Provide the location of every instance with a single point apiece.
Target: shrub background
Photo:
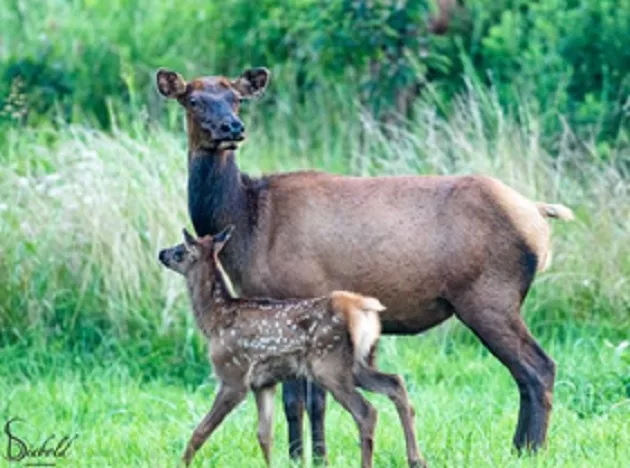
(568, 57)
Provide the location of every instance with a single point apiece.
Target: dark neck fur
(218, 195)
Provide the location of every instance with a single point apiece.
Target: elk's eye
(193, 102)
(178, 256)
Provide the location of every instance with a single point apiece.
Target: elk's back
(405, 240)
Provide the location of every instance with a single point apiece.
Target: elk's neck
(216, 196)
(210, 296)
(219, 195)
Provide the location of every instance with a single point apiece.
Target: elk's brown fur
(428, 247)
(256, 343)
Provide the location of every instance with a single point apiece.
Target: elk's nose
(238, 128)
(233, 128)
(162, 256)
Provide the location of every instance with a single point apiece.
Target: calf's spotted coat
(256, 343)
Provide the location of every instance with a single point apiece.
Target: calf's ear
(189, 239)
(190, 243)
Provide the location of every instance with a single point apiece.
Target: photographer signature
(43, 454)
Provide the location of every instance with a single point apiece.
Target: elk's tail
(361, 315)
(550, 210)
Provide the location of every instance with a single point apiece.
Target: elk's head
(212, 105)
(188, 256)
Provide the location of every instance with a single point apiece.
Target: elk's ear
(170, 84)
(252, 83)
(220, 239)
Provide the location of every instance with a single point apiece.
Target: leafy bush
(569, 56)
(572, 55)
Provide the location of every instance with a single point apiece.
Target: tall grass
(84, 212)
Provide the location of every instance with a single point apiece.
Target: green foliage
(35, 88)
(378, 42)
(570, 56)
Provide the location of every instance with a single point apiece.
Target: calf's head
(212, 104)
(193, 253)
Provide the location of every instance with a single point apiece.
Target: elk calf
(256, 343)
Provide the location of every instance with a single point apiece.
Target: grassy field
(466, 406)
(97, 339)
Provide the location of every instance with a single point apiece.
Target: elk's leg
(393, 386)
(264, 403)
(316, 408)
(503, 331)
(226, 400)
(293, 398)
(342, 389)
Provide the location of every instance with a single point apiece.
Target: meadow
(98, 339)
(466, 406)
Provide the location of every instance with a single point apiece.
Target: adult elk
(427, 247)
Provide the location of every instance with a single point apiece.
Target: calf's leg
(341, 385)
(393, 386)
(264, 404)
(226, 400)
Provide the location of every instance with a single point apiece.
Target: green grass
(466, 406)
